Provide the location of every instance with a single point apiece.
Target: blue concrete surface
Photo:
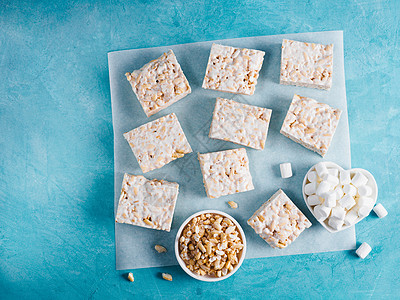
(56, 145)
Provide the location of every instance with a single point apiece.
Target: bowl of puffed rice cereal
(210, 245)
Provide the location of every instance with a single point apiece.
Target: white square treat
(278, 221)
(159, 83)
(233, 70)
(311, 123)
(157, 143)
(306, 64)
(147, 203)
(225, 172)
(240, 123)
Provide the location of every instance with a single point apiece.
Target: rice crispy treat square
(240, 123)
(233, 70)
(311, 124)
(159, 83)
(147, 203)
(278, 221)
(157, 143)
(306, 64)
(225, 172)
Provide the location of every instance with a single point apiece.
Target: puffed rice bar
(306, 64)
(240, 123)
(233, 70)
(225, 172)
(159, 83)
(157, 143)
(278, 221)
(311, 124)
(147, 203)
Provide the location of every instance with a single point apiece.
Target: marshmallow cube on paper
(380, 211)
(233, 70)
(363, 250)
(286, 170)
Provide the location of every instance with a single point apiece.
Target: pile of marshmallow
(338, 197)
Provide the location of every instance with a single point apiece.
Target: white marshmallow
(339, 193)
(286, 170)
(351, 217)
(334, 172)
(335, 223)
(349, 189)
(364, 190)
(314, 200)
(363, 250)
(310, 188)
(312, 176)
(334, 181)
(321, 169)
(344, 177)
(323, 187)
(347, 202)
(338, 213)
(380, 211)
(359, 179)
(329, 199)
(321, 212)
(365, 206)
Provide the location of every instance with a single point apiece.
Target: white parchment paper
(135, 245)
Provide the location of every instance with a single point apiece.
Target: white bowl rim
(209, 278)
(330, 164)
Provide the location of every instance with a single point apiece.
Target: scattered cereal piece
(130, 277)
(160, 249)
(167, 276)
(233, 204)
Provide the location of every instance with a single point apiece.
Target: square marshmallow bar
(233, 70)
(306, 64)
(225, 172)
(159, 83)
(157, 143)
(147, 203)
(278, 221)
(311, 124)
(240, 123)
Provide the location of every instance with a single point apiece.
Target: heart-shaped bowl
(331, 165)
(208, 278)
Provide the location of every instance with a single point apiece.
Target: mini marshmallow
(365, 206)
(349, 189)
(286, 170)
(333, 180)
(338, 213)
(333, 172)
(321, 212)
(344, 177)
(321, 169)
(314, 200)
(363, 250)
(339, 193)
(359, 179)
(347, 202)
(365, 190)
(312, 176)
(330, 199)
(322, 188)
(310, 188)
(351, 217)
(380, 211)
(335, 223)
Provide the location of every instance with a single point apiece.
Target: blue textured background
(56, 144)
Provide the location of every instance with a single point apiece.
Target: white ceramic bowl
(330, 165)
(208, 278)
